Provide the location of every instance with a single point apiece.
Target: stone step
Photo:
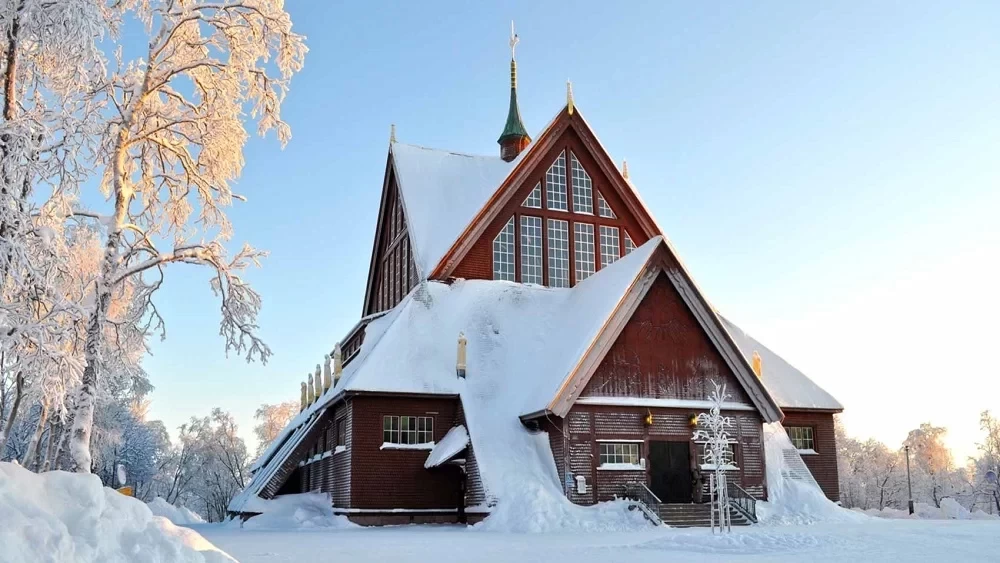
(694, 515)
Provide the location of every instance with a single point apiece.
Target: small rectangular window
(558, 253)
(341, 432)
(610, 245)
(801, 437)
(503, 253)
(619, 453)
(407, 429)
(730, 455)
(555, 184)
(531, 249)
(583, 249)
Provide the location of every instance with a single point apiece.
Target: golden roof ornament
(392, 133)
(569, 97)
(625, 169)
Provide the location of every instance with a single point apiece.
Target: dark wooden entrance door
(670, 471)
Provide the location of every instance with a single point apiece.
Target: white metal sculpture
(713, 431)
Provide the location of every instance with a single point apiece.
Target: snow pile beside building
(58, 516)
(179, 515)
(307, 510)
(950, 510)
(794, 497)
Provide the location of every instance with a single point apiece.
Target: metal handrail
(645, 499)
(742, 501)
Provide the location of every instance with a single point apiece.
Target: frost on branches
(171, 149)
(712, 431)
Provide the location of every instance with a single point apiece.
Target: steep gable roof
(791, 388)
(519, 174)
(441, 192)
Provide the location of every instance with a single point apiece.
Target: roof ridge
(449, 151)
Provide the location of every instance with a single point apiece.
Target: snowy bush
(58, 516)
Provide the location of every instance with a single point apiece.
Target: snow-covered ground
(868, 540)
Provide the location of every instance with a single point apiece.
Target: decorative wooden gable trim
(663, 261)
(522, 180)
(391, 271)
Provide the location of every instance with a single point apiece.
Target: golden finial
(625, 169)
(392, 133)
(569, 97)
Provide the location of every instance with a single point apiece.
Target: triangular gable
(537, 155)
(663, 261)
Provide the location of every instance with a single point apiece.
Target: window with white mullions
(503, 253)
(603, 209)
(531, 249)
(555, 184)
(801, 437)
(614, 453)
(558, 232)
(610, 245)
(583, 249)
(583, 200)
(629, 245)
(407, 429)
(534, 199)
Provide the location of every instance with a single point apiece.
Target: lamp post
(909, 486)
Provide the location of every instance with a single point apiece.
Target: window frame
(563, 261)
(802, 435)
(584, 251)
(581, 187)
(622, 453)
(556, 172)
(533, 263)
(606, 232)
(407, 430)
(340, 432)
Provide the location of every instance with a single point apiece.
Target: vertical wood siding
(663, 352)
(394, 269)
(823, 465)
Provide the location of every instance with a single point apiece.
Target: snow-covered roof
(789, 386)
(453, 442)
(441, 192)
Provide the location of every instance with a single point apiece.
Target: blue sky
(828, 173)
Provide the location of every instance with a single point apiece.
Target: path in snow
(875, 540)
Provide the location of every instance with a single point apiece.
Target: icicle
(327, 379)
(338, 363)
(569, 97)
(460, 363)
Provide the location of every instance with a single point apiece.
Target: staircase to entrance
(742, 508)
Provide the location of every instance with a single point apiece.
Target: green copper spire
(514, 137)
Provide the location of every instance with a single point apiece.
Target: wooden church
(528, 329)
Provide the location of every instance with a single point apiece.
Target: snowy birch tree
(173, 147)
(271, 420)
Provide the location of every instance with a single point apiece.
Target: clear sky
(829, 173)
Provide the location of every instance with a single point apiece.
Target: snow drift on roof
(453, 442)
(442, 191)
(789, 386)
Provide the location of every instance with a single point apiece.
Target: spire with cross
(514, 137)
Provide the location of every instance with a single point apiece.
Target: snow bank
(307, 510)
(950, 510)
(59, 516)
(792, 500)
(179, 515)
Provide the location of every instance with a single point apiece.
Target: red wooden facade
(823, 463)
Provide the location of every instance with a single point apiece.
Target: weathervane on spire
(513, 40)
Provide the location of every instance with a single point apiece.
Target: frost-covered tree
(271, 420)
(173, 146)
(931, 463)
